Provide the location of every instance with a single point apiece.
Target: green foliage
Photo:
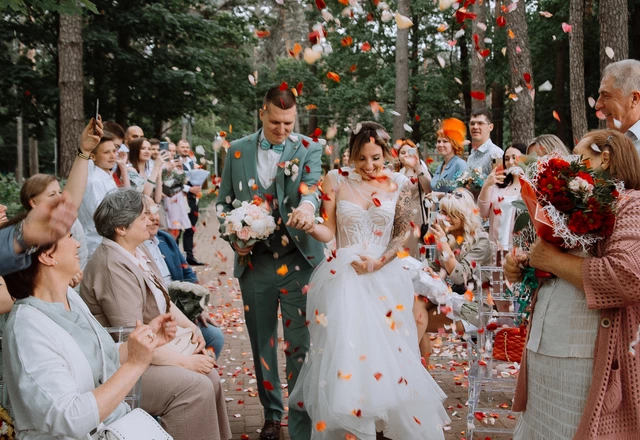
(10, 194)
(59, 6)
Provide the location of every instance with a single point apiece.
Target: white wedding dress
(363, 371)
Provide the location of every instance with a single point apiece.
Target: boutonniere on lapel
(291, 168)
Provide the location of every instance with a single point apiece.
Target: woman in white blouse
(147, 182)
(51, 351)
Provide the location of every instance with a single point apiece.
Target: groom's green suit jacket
(238, 171)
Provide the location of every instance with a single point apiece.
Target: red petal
(527, 77)
(267, 385)
(284, 86)
(501, 21)
(305, 143)
(376, 202)
(480, 96)
(321, 4)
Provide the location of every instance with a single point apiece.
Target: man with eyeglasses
(483, 150)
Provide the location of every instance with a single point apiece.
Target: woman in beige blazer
(122, 284)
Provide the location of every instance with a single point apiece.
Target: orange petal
(333, 76)
(321, 426)
(237, 154)
(282, 270)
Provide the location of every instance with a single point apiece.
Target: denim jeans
(213, 337)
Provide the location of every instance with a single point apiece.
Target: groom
(281, 267)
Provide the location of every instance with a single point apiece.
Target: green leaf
(522, 221)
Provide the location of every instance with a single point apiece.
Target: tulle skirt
(363, 372)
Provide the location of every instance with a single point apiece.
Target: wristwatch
(19, 237)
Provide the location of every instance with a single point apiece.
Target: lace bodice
(364, 214)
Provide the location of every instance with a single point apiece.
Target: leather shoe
(194, 262)
(270, 430)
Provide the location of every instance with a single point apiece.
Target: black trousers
(187, 240)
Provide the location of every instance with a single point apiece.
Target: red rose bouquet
(569, 203)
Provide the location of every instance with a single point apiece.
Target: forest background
(198, 69)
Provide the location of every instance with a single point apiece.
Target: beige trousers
(191, 405)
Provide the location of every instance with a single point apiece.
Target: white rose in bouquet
(247, 224)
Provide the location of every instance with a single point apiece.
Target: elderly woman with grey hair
(122, 284)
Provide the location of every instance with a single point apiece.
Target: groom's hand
(303, 217)
(242, 251)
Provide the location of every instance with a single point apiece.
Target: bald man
(133, 132)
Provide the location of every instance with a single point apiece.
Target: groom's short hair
(284, 99)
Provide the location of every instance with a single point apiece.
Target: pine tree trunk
(70, 85)
(19, 150)
(614, 33)
(34, 166)
(464, 74)
(497, 110)
(402, 74)
(478, 80)
(576, 69)
(522, 118)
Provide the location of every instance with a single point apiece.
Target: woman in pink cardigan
(579, 379)
(499, 191)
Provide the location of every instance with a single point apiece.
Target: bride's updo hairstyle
(460, 205)
(366, 132)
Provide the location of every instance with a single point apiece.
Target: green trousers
(263, 289)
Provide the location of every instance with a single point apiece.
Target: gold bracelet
(81, 155)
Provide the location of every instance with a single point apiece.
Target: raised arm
(77, 181)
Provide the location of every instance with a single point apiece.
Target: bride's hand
(366, 265)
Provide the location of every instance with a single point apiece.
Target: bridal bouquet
(569, 204)
(470, 179)
(172, 181)
(247, 224)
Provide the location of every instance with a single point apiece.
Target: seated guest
(122, 285)
(41, 187)
(502, 188)
(99, 183)
(59, 383)
(462, 244)
(173, 267)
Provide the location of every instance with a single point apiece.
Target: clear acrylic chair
(120, 335)
(488, 376)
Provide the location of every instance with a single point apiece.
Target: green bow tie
(266, 145)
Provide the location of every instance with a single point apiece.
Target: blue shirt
(443, 179)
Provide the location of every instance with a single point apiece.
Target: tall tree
(402, 73)
(576, 72)
(522, 117)
(70, 76)
(478, 77)
(614, 35)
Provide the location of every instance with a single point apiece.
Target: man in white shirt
(483, 150)
(99, 183)
(155, 151)
(619, 98)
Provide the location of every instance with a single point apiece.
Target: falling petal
(566, 28)
(408, 128)
(403, 22)
(595, 148)
(311, 56)
(440, 61)
(386, 16)
(617, 123)
(478, 95)
(610, 53)
(592, 102)
(282, 270)
(545, 87)
(556, 116)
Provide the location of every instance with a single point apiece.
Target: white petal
(617, 123)
(408, 128)
(545, 87)
(592, 102)
(610, 53)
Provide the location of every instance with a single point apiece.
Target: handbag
(182, 342)
(509, 343)
(136, 425)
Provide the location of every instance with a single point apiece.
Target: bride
(363, 373)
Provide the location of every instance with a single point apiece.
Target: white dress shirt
(267, 164)
(99, 184)
(154, 250)
(634, 134)
(481, 157)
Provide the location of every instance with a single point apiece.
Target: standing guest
(449, 144)
(344, 160)
(176, 207)
(132, 133)
(502, 188)
(41, 187)
(145, 181)
(619, 98)
(416, 170)
(192, 192)
(483, 150)
(154, 147)
(116, 131)
(546, 144)
(122, 152)
(262, 289)
(123, 285)
(577, 377)
(99, 184)
(173, 267)
(64, 373)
